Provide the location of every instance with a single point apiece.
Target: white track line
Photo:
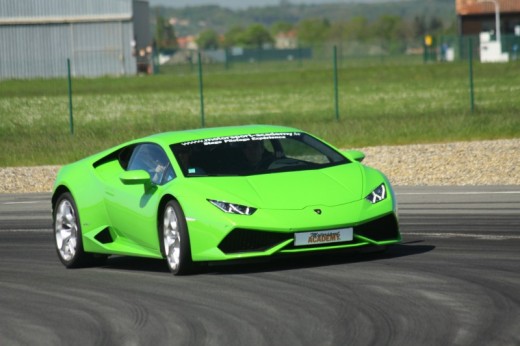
(27, 202)
(463, 235)
(461, 193)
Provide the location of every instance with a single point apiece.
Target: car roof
(167, 138)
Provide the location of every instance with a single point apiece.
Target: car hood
(288, 190)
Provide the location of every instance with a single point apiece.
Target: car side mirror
(135, 177)
(354, 155)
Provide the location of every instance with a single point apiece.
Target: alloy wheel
(172, 238)
(66, 230)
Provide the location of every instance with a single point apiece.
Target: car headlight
(377, 195)
(232, 208)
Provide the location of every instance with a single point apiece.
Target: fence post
(201, 91)
(470, 60)
(71, 118)
(336, 102)
(226, 59)
(155, 60)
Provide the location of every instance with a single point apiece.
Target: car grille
(247, 240)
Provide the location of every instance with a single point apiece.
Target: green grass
(379, 104)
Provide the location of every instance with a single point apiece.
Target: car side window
(153, 159)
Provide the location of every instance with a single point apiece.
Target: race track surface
(454, 280)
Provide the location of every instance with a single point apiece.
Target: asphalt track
(454, 280)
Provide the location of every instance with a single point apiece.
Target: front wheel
(176, 241)
(67, 234)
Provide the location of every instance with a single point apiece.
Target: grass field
(378, 104)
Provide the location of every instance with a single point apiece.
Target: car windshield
(251, 154)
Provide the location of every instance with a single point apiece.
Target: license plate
(323, 237)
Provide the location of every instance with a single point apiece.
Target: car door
(132, 207)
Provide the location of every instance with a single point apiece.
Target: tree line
(313, 31)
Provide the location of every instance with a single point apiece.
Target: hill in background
(194, 19)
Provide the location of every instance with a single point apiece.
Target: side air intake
(104, 237)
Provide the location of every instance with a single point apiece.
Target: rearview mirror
(354, 155)
(135, 177)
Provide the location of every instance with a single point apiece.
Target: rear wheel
(67, 234)
(176, 241)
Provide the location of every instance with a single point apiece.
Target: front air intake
(246, 240)
(384, 228)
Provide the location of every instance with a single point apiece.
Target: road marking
(27, 202)
(422, 234)
(461, 193)
(28, 230)
(463, 235)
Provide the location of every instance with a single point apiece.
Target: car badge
(317, 211)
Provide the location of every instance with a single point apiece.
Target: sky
(240, 4)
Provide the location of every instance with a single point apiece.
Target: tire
(175, 244)
(68, 236)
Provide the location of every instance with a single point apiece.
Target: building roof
(475, 7)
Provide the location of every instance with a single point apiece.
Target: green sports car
(220, 194)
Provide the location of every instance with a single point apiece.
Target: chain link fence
(443, 49)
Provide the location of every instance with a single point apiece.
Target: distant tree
(234, 37)
(419, 26)
(165, 34)
(313, 31)
(337, 32)
(208, 39)
(451, 28)
(389, 28)
(257, 36)
(280, 26)
(159, 30)
(392, 32)
(435, 25)
(357, 29)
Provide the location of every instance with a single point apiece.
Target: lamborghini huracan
(220, 194)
